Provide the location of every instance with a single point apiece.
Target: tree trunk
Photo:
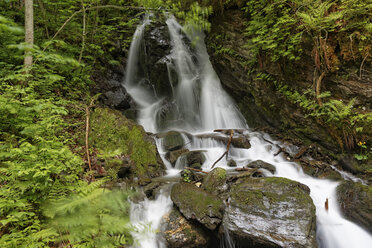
(29, 31)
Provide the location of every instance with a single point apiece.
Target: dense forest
(72, 156)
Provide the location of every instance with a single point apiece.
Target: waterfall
(199, 105)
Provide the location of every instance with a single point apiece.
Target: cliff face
(260, 100)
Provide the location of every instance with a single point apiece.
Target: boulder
(172, 156)
(194, 159)
(241, 142)
(197, 204)
(261, 164)
(124, 146)
(182, 233)
(355, 200)
(172, 141)
(215, 181)
(270, 212)
(151, 189)
(231, 163)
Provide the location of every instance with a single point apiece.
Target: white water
(201, 105)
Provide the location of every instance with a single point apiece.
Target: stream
(198, 106)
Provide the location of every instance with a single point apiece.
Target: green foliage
(280, 29)
(186, 175)
(92, 217)
(272, 28)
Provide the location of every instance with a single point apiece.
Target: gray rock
(181, 233)
(173, 141)
(261, 164)
(195, 203)
(172, 156)
(271, 212)
(355, 201)
(231, 163)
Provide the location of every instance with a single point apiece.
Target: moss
(254, 191)
(116, 138)
(198, 204)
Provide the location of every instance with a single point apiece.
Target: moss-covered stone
(355, 200)
(121, 141)
(271, 212)
(195, 203)
(181, 233)
(215, 181)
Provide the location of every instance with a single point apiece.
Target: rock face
(196, 204)
(262, 164)
(259, 100)
(355, 200)
(181, 233)
(270, 212)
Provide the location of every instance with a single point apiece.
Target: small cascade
(199, 105)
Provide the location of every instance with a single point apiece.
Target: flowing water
(199, 105)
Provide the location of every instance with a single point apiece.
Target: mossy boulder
(215, 181)
(123, 146)
(172, 141)
(182, 233)
(271, 212)
(197, 204)
(355, 200)
(261, 164)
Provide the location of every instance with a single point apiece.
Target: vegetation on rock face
(43, 106)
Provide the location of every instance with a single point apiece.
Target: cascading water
(200, 105)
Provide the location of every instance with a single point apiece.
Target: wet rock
(271, 212)
(198, 204)
(182, 233)
(172, 156)
(231, 163)
(261, 164)
(155, 63)
(240, 141)
(151, 189)
(215, 181)
(172, 141)
(355, 200)
(194, 159)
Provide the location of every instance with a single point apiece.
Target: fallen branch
(192, 169)
(227, 148)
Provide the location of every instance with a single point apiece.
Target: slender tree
(29, 30)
